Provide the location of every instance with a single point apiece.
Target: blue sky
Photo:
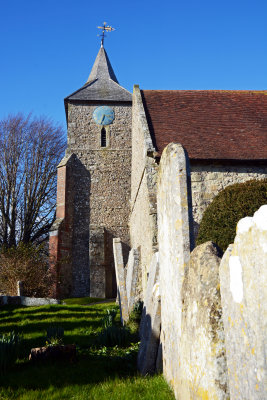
(48, 47)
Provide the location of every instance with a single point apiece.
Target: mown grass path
(98, 373)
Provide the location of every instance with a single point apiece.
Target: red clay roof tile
(210, 124)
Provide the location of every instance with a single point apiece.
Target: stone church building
(107, 179)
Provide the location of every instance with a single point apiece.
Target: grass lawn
(99, 372)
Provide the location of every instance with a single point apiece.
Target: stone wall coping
(27, 301)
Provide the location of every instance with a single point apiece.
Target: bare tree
(30, 150)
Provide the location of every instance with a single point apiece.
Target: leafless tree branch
(30, 150)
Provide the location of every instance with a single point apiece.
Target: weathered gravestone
(243, 274)
(120, 278)
(132, 278)
(202, 359)
(175, 238)
(19, 288)
(148, 356)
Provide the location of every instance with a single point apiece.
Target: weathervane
(105, 28)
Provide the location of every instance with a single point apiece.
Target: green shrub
(109, 318)
(9, 348)
(228, 207)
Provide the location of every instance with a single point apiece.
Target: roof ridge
(207, 90)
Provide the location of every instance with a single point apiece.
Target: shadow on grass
(6, 310)
(81, 324)
(87, 369)
(57, 315)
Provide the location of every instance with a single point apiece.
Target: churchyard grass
(99, 372)
(84, 301)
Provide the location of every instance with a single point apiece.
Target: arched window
(103, 137)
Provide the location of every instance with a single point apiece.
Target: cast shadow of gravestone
(150, 352)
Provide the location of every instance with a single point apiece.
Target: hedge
(228, 207)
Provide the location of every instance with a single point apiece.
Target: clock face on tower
(103, 115)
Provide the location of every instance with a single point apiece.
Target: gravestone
(243, 274)
(132, 278)
(120, 278)
(19, 288)
(175, 238)
(202, 358)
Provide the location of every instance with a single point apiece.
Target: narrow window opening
(103, 137)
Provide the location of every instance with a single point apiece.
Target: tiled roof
(210, 124)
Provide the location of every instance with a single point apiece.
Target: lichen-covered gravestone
(202, 357)
(243, 274)
(175, 241)
(132, 278)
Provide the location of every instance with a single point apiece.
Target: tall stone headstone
(132, 278)
(19, 288)
(175, 242)
(243, 274)
(202, 359)
(120, 277)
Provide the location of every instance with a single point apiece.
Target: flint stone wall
(243, 274)
(174, 224)
(143, 216)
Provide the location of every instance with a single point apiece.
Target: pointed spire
(102, 84)
(102, 68)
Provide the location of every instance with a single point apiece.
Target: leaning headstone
(120, 278)
(202, 359)
(243, 274)
(175, 238)
(132, 278)
(149, 346)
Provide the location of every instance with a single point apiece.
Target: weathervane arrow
(104, 28)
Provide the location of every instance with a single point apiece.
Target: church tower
(93, 186)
